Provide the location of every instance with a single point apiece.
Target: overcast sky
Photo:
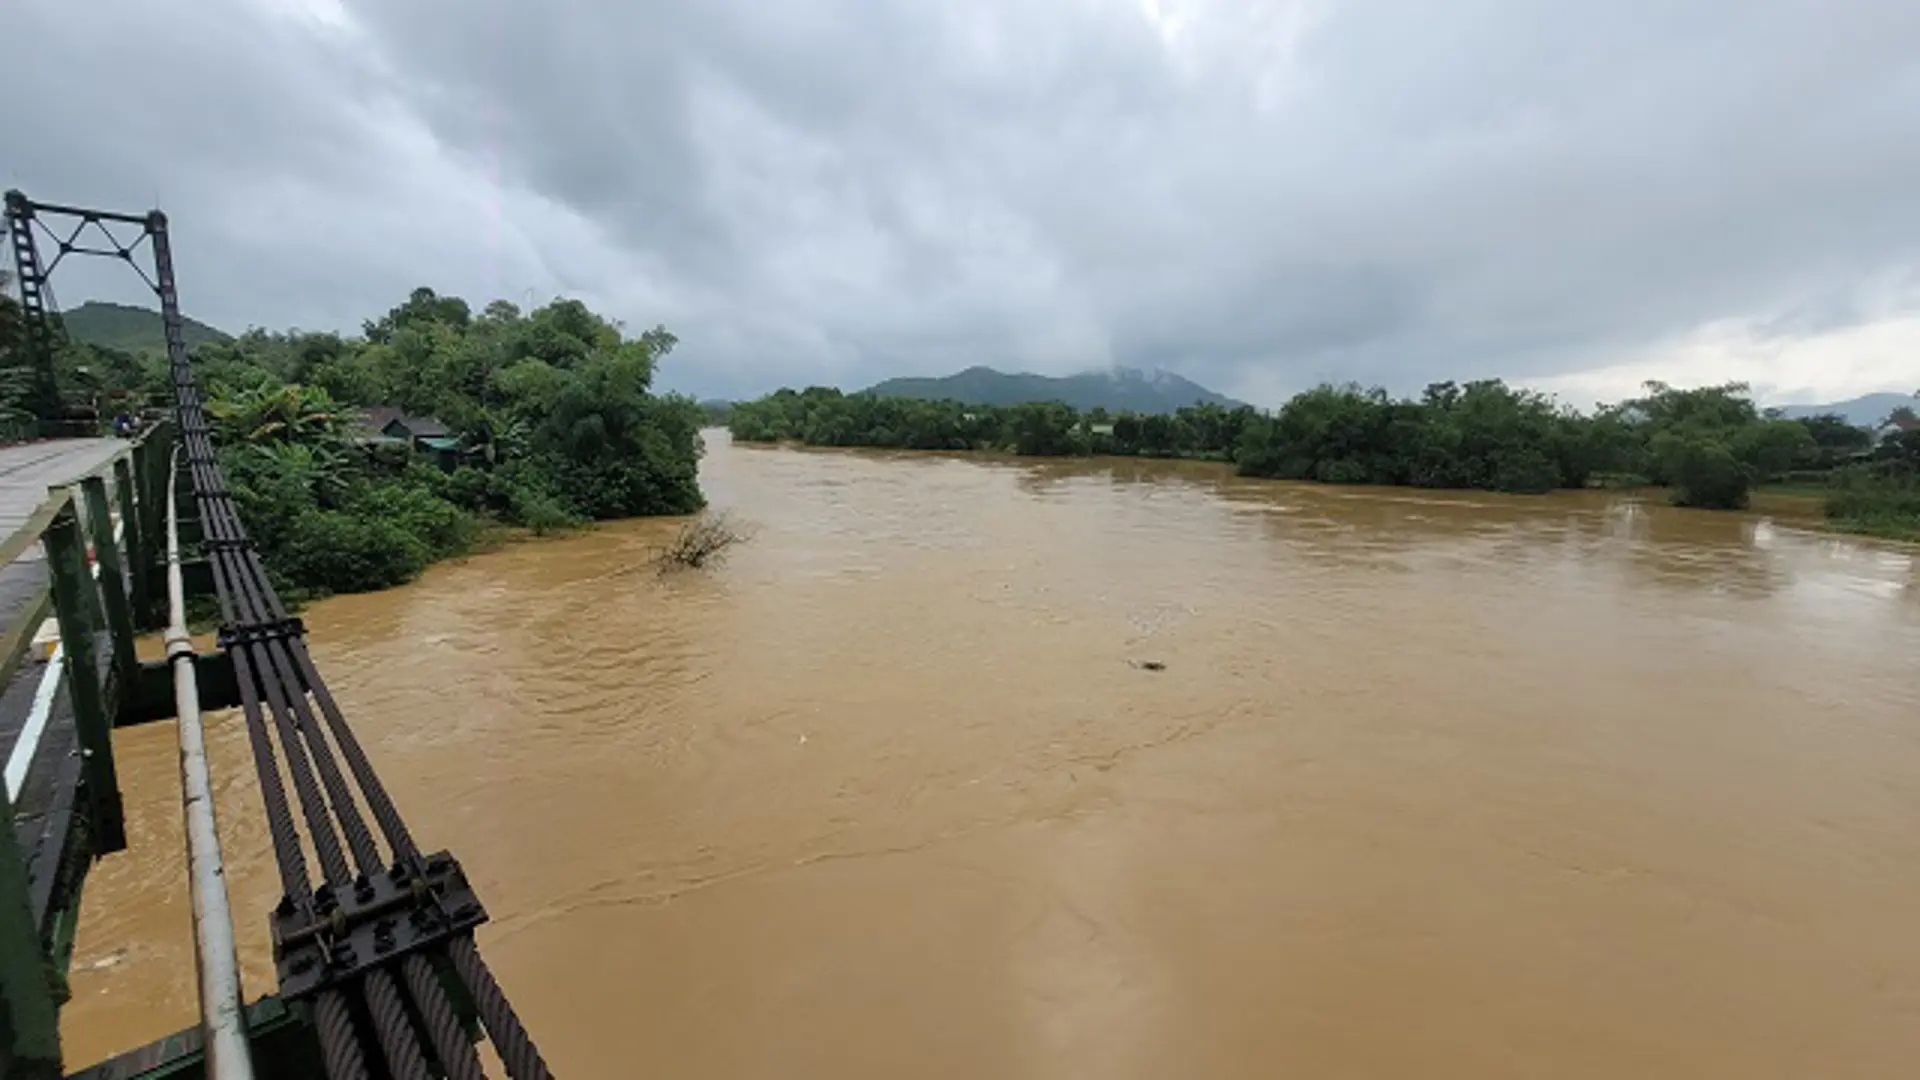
(1571, 194)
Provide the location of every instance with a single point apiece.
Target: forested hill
(1153, 393)
(131, 329)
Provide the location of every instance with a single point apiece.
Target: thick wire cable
(276, 678)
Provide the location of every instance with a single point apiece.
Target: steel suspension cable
(276, 677)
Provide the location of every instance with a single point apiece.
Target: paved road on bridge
(37, 736)
(27, 470)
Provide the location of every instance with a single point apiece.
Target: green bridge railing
(104, 541)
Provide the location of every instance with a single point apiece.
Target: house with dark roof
(385, 424)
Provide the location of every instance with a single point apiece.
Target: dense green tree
(1721, 407)
(1771, 447)
(611, 449)
(1899, 453)
(1044, 429)
(1480, 435)
(1697, 439)
(1702, 470)
(16, 372)
(553, 408)
(1709, 445)
(422, 308)
(1835, 439)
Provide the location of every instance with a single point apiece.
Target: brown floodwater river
(1436, 785)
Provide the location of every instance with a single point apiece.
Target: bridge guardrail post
(29, 1011)
(76, 606)
(139, 563)
(112, 581)
(156, 473)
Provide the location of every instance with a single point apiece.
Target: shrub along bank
(1709, 446)
(552, 415)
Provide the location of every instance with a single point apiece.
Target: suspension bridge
(378, 974)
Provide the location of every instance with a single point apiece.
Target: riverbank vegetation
(1882, 497)
(539, 420)
(1709, 446)
(548, 421)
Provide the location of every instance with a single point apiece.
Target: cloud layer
(1261, 196)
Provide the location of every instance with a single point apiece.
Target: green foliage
(553, 410)
(268, 414)
(1043, 429)
(16, 373)
(1726, 405)
(612, 449)
(1772, 447)
(1899, 454)
(1877, 503)
(414, 503)
(517, 492)
(324, 524)
(1881, 497)
(422, 309)
(337, 551)
(821, 416)
(1702, 470)
(539, 511)
(1835, 440)
(1478, 435)
(1709, 444)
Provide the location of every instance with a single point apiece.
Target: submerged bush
(700, 542)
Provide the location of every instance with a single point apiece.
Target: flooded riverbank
(1431, 784)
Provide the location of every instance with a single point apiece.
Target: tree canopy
(1709, 445)
(551, 411)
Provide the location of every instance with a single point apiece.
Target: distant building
(384, 424)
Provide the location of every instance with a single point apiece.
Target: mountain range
(1867, 411)
(1118, 389)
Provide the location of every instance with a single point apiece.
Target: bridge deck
(27, 470)
(34, 698)
(43, 808)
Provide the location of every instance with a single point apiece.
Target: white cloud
(1808, 369)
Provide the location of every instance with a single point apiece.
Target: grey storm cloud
(1261, 196)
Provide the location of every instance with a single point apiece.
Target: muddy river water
(1435, 785)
